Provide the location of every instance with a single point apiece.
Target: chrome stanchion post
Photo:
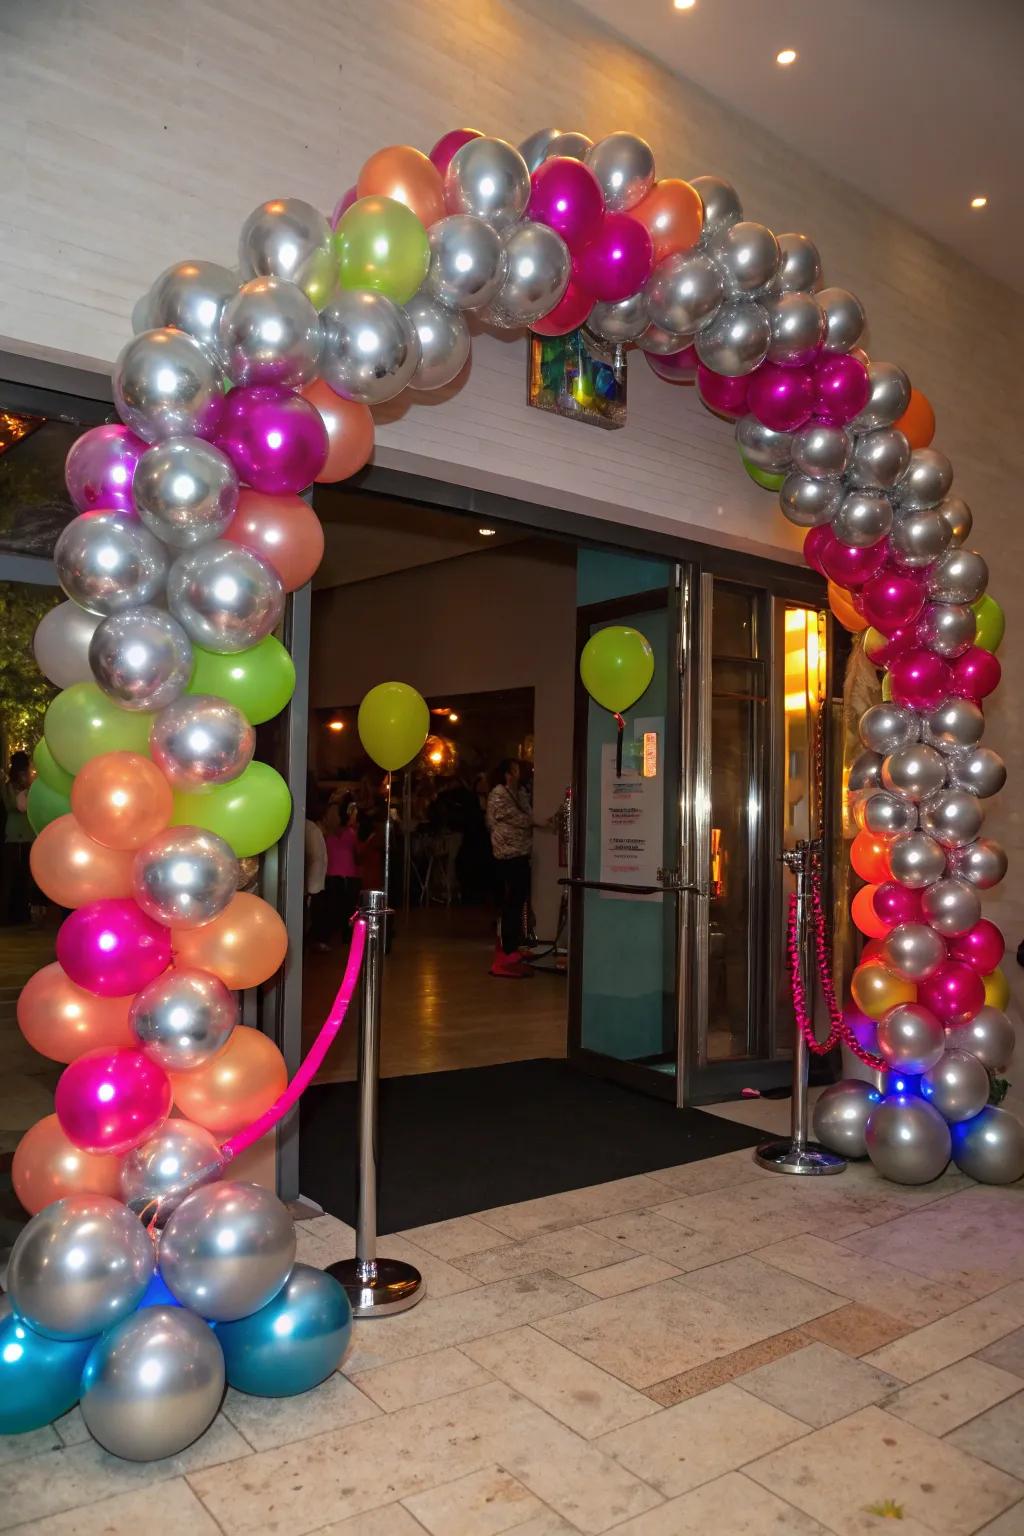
(375, 1286)
(795, 1154)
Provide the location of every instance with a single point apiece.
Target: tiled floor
(709, 1350)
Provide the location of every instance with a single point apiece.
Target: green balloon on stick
(393, 722)
(44, 805)
(83, 722)
(49, 770)
(250, 814)
(616, 666)
(991, 623)
(259, 681)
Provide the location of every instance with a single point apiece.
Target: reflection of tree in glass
(24, 691)
(34, 505)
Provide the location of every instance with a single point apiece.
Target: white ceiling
(919, 103)
(369, 536)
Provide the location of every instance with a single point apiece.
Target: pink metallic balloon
(448, 143)
(781, 398)
(816, 541)
(112, 948)
(100, 467)
(920, 679)
(571, 310)
(566, 195)
(343, 204)
(954, 994)
(676, 367)
(895, 904)
(276, 440)
(109, 1101)
(981, 947)
(617, 261)
(841, 388)
(726, 397)
(847, 565)
(976, 674)
(893, 599)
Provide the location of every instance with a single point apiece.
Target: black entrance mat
(457, 1142)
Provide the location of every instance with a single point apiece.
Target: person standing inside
(16, 885)
(510, 823)
(342, 884)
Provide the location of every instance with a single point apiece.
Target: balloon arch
(239, 389)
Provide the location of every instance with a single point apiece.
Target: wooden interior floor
(441, 1008)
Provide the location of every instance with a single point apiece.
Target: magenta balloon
(675, 367)
(617, 261)
(726, 397)
(816, 541)
(566, 195)
(276, 440)
(847, 565)
(448, 143)
(893, 599)
(841, 388)
(976, 674)
(109, 1101)
(895, 904)
(100, 467)
(954, 993)
(343, 204)
(920, 679)
(981, 947)
(781, 398)
(112, 948)
(569, 313)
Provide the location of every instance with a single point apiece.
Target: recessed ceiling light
(979, 202)
(335, 725)
(487, 533)
(786, 56)
(684, 5)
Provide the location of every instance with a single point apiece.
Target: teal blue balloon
(39, 1378)
(294, 1342)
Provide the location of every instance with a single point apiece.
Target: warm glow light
(786, 56)
(487, 533)
(684, 5)
(452, 716)
(979, 202)
(335, 725)
(437, 757)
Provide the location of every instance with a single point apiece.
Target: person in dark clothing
(510, 823)
(16, 885)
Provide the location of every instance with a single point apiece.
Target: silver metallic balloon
(663, 343)
(748, 255)
(179, 1157)
(822, 451)
(189, 296)
(539, 268)
(444, 342)
(79, 1266)
(955, 727)
(990, 1148)
(908, 1141)
(620, 322)
(153, 1384)
(721, 203)
(909, 1036)
(928, 478)
(961, 576)
(569, 146)
(864, 518)
(841, 1115)
(947, 628)
(735, 341)
(291, 239)
(227, 1250)
(184, 876)
(684, 291)
(866, 771)
(955, 511)
(797, 324)
(624, 166)
(61, 644)
(914, 951)
(982, 772)
(885, 815)
(534, 148)
(953, 817)
(371, 349)
(917, 860)
(200, 740)
(914, 771)
(142, 658)
(982, 864)
(761, 446)
(182, 1019)
(844, 319)
(990, 1036)
(107, 561)
(918, 539)
(468, 262)
(958, 1086)
(880, 458)
(951, 906)
(168, 385)
(270, 334)
(489, 178)
(186, 491)
(886, 727)
(799, 265)
(224, 597)
(808, 502)
(889, 397)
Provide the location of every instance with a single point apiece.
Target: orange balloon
(918, 420)
(349, 432)
(63, 1021)
(283, 530)
(409, 177)
(235, 1087)
(121, 799)
(47, 1166)
(72, 869)
(876, 989)
(841, 603)
(243, 946)
(673, 215)
(864, 915)
(869, 856)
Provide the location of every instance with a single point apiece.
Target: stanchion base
(394, 1287)
(785, 1157)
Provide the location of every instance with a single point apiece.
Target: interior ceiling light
(452, 716)
(335, 725)
(684, 5)
(487, 533)
(979, 202)
(786, 56)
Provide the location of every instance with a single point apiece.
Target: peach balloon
(407, 175)
(865, 916)
(349, 432)
(869, 856)
(47, 1166)
(63, 1021)
(283, 530)
(876, 989)
(841, 604)
(121, 799)
(236, 1086)
(918, 420)
(243, 946)
(673, 215)
(73, 869)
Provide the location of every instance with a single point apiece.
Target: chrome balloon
(799, 265)
(909, 1036)
(168, 385)
(371, 349)
(928, 477)
(224, 597)
(107, 561)
(61, 644)
(961, 576)
(889, 397)
(180, 1020)
(953, 817)
(684, 291)
(990, 1036)
(841, 1114)
(990, 1148)
(844, 319)
(569, 146)
(721, 203)
(534, 148)
(797, 324)
(951, 907)
(917, 860)
(880, 458)
(866, 772)
(201, 740)
(468, 262)
(864, 518)
(189, 296)
(79, 1266)
(885, 815)
(444, 342)
(270, 334)
(663, 343)
(886, 727)
(291, 239)
(822, 451)
(955, 511)
(735, 340)
(539, 268)
(982, 864)
(141, 657)
(915, 771)
(914, 951)
(982, 772)
(184, 876)
(761, 446)
(955, 727)
(908, 1141)
(957, 1086)
(227, 1250)
(624, 167)
(186, 491)
(179, 1157)
(947, 628)
(918, 539)
(488, 178)
(621, 322)
(748, 255)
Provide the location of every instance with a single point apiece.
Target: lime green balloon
(259, 681)
(393, 723)
(991, 623)
(82, 722)
(44, 805)
(382, 245)
(616, 666)
(251, 813)
(887, 686)
(49, 770)
(770, 479)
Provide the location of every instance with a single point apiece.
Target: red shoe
(510, 967)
